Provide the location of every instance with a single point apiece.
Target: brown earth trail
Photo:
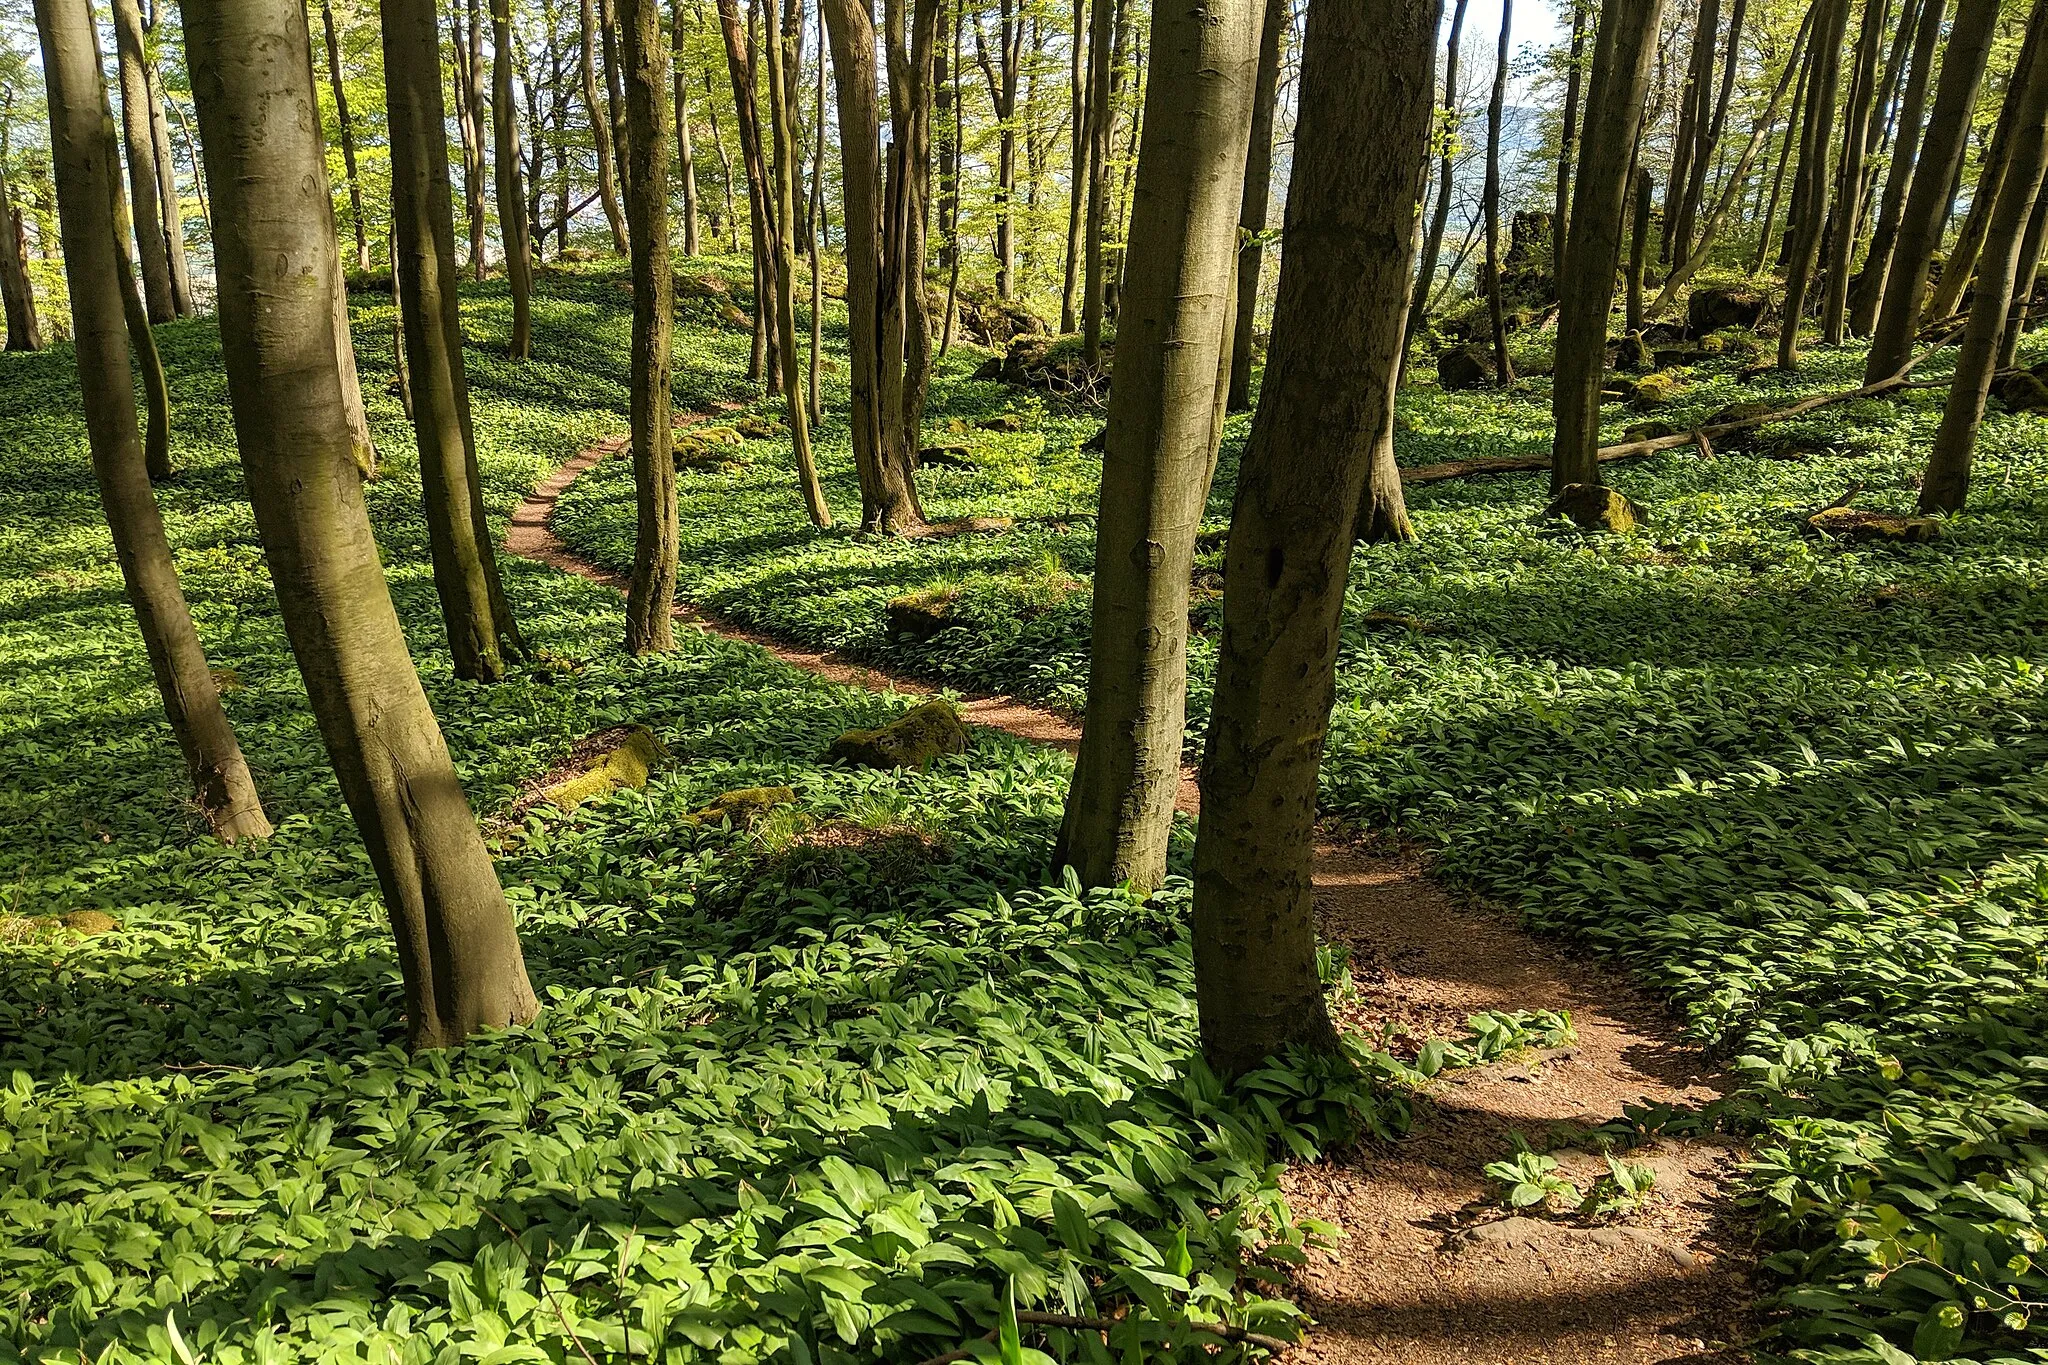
(1430, 1269)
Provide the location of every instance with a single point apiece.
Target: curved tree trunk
(1258, 189)
(1329, 393)
(140, 140)
(513, 230)
(1869, 291)
(1440, 215)
(600, 122)
(481, 635)
(784, 134)
(167, 191)
(1614, 106)
(457, 948)
(89, 204)
(1165, 416)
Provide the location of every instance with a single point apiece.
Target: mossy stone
(743, 808)
(1634, 354)
(1655, 390)
(921, 615)
(1854, 525)
(1465, 367)
(626, 764)
(1649, 431)
(2020, 391)
(90, 923)
(912, 740)
(1595, 507)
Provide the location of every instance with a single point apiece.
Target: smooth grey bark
(608, 45)
(139, 141)
(1925, 215)
(471, 104)
(513, 230)
(1947, 484)
(1846, 229)
(780, 51)
(1440, 214)
(1869, 290)
(1810, 212)
(1504, 365)
(278, 269)
(1165, 417)
(1614, 108)
(167, 187)
(17, 292)
(89, 208)
(1101, 131)
(651, 592)
(345, 127)
(1258, 189)
(482, 636)
(600, 122)
(1568, 130)
(686, 156)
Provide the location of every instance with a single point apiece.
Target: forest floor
(861, 1074)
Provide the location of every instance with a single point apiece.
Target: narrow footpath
(1429, 1267)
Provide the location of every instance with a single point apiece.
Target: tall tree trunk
(1504, 365)
(1692, 103)
(608, 33)
(1794, 124)
(167, 192)
(1258, 189)
(473, 106)
(600, 124)
(951, 216)
(816, 226)
(780, 52)
(156, 390)
(686, 157)
(1567, 133)
(1165, 416)
(90, 206)
(1337, 331)
(739, 60)
(1709, 133)
(1002, 77)
(1811, 212)
(1077, 180)
(1440, 215)
(17, 293)
(906, 316)
(1926, 211)
(1639, 248)
(140, 141)
(1614, 106)
(1101, 131)
(1947, 484)
(512, 225)
(1869, 290)
(945, 101)
(732, 231)
(2018, 320)
(482, 636)
(1847, 227)
(650, 595)
(346, 127)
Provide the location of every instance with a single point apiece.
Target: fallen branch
(1702, 437)
(1026, 1318)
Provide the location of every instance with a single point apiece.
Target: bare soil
(1429, 1268)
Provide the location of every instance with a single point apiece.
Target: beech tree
(1846, 227)
(1165, 417)
(277, 262)
(1503, 364)
(767, 357)
(1101, 136)
(1258, 189)
(780, 53)
(17, 293)
(1614, 105)
(513, 229)
(482, 636)
(143, 186)
(1440, 214)
(600, 124)
(1362, 135)
(1868, 290)
(89, 200)
(686, 160)
(345, 127)
(1811, 191)
(651, 592)
(472, 106)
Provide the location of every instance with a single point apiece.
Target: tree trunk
(1848, 220)
(89, 208)
(1947, 484)
(1258, 189)
(1709, 134)
(1002, 95)
(1504, 365)
(1899, 177)
(779, 51)
(686, 157)
(1794, 122)
(1926, 211)
(17, 293)
(816, 227)
(140, 141)
(346, 127)
(482, 637)
(2017, 319)
(1811, 209)
(732, 231)
(739, 59)
(472, 106)
(1639, 247)
(1165, 416)
(1614, 105)
(156, 391)
(951, 216)
(1077, 179)
(167, 194)
(1440, 215)
(608, 34)
(1101, 131)
(1329, 392)
(1693, 101)
(512, 225)
(1567, 135)
(600, 125)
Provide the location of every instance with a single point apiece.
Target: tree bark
(156, 390)
(1002, 94)
(167, 191)
(686, 157)
(1101, 131)
(1366, 100)
(1077, 179)
(140, 142)
(779, 51)
(1709, 133)
(482, 636)
(1567, 134)
(739, 59)
(1847, 227)
(471, 106)
(1165, 416)
(346, 128)
(1504, 365)
(1811, 209)
(608, 34)
(90, 206)
(1794, 123)
(816, 227)
(1947, 484)
(2017, 319)
(1614, 106)
(1440, 215)
(1869, 292)
(1926, 211)
(1639, 248)
(600, 124)
(1258, 190)
(1693, 101)
(512, 226)
(17, 293)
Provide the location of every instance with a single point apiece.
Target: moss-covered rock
(742, 809)
(91, 923)
(921, 615)
(912, 740)
(1634, 354)
(1595, 507)
(947, 455)
(86, 923)
(756, 427)
(626, 763)
(2020, 390)
(709, 448)
(1715, 307)
(1855, 525)
(1002, 421)
(1655, 390)
(1465, 367)
(1654, 430)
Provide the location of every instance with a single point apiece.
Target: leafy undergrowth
(830, 1090)
(1797, 785)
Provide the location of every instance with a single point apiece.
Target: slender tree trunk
(90, 206)
(1101, 131)
(779, 51)
(1899, 177)
(739, 59)
(1440, 215)
(1812, 209)
(1165, 416)
(469, 48)
(952, 208)
(482, 637)
(1258, 189)
(1614, 105)
(1077, 180)
(1337, 335)
(1639, 247)
(1947, 484)
(17, 293)
(1567, 135)
(1709, 133)
(167, 194)
(946, 100)
(1926, 211)
(608, 34)
(457, 948)
(141, 147)
(1794, 124)
(816, 226)
(2017, 319)
(1692, 103)
(156, 391)
(600, 125)
(1848, 219)
(1504, 365)
(512, 225)
(686, 157)
(535, 146)
(1002, 77)
(732, 231)
(346, 127)
(1946, 298)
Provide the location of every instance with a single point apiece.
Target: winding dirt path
(1428, 1269)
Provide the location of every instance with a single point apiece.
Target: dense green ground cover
(1797, 785)
(792, 1089)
